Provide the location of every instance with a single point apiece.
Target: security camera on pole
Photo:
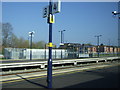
(48, 12)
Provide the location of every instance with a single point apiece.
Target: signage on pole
(61, 44)
(56, 7)
(51, 20)
(45, 12)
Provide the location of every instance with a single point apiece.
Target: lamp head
(114, 13)
(33, 32)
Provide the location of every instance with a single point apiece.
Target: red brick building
(104, 49)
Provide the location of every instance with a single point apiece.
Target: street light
(115, 13)
(98, 43)
(118, 13)
(62, 39)
(31, 36)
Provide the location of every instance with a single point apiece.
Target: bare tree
(6, 34)
(14, 41)
(11, 40)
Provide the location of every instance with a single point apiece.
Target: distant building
(104, 49)
(72, 48)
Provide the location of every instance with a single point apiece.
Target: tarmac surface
(107, 77)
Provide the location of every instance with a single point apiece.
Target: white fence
(21, 53)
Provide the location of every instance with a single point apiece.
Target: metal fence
(23, 53)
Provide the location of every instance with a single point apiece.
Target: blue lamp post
(31, 36)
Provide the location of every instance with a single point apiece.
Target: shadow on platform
(43, 86)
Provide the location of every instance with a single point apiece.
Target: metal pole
(31, 47)
(49, 68)
(61, 38)
(118, 28)
(118, 13)
(61, 42)
(45, 51)
(98, 45)
(119, 24)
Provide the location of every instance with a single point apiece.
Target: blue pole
(119, 24)
(49, 68)
(98, 45)
(31, 47)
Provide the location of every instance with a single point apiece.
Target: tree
(11, 40)
(6, 34)
(22, 43)
(40, 44)
(14, 41)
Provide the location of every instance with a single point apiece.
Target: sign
(56, 7)
(50, 45)
(45, 12)
(51, 20)
(61, 44)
